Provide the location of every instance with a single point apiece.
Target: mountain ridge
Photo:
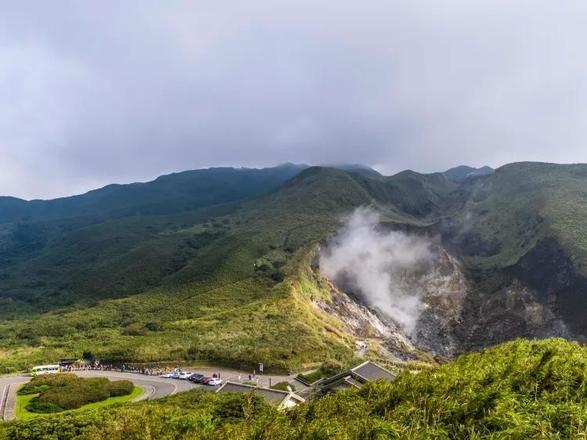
(103, 280)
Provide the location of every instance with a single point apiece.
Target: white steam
(380, 266)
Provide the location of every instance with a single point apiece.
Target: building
(281, 399)
(355, 377)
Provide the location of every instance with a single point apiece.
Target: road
(153, 386)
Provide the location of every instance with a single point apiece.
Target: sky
(105, 91)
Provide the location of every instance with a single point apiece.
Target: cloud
(95, 92)
(379, 266)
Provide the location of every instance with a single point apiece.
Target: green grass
(22, 402)
(518, 390)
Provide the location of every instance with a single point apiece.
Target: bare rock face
(442, 287)
(445, 289)
(556, 283)
(532, 299)
(365, 323)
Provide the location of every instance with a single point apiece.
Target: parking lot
(154, 386)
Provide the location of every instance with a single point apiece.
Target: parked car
(196, 378)
(184, 375)
(172, 375)
(212, 381)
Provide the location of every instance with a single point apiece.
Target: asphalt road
(153, 386)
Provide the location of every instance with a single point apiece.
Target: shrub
(133, 329)
(67, 391)
(39, 406)
(120, 388)
(154, 326)
(44, 382)
(77, 394)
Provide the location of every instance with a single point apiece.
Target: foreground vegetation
(520, 390)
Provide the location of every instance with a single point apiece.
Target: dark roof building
(281, 399)
(370, 371)
(355, 377)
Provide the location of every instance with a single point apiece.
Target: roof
(341, 383)
(371, 371)
(357, 376)
(274, 397)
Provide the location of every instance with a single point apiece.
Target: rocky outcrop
(542, 295)
(443, 288)
(556, 283)
(366, 324)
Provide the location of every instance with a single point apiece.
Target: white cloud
(115, 91)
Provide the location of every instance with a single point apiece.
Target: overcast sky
(94, 92)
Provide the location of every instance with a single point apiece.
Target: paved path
(153, 386)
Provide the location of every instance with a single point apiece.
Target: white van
(45, 369)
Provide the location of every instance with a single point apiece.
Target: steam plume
(379, 266)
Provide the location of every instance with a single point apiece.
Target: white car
(214, 382)
(184, 375)
(172, 375)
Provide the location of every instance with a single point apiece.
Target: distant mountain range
(220, 264)
(463, 172)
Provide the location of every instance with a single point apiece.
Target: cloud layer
(95, 92)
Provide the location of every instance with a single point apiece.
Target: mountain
(165, 271)
(463, 172)
(167, 194)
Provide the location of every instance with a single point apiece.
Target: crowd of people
(123, 368)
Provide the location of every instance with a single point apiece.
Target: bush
(76, 394)
(43, 407)
(133, 329)
(154, 326)
(61, 392)
(120, 388)
(42, 383)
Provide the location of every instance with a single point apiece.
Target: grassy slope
(209, 278)
(519, 390)
(217, 306)
(524, 202)
(222, 302)
(23, 414)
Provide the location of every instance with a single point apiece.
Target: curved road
(153, 386)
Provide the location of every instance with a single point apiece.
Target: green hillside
(167, 194)
(519, 390)
(528, 222)
(228, 283)
(232, 282)
(520, 204)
